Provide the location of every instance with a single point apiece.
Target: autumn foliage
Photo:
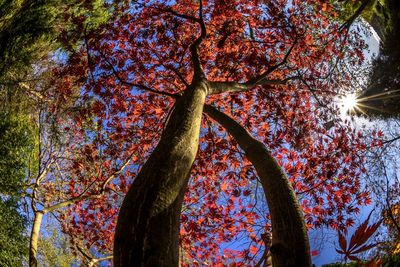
(359, 242)
(131, 70)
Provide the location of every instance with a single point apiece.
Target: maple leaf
(358, 240)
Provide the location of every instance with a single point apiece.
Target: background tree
(54, 248)
(31, 34)
(13, 243)
(17, 144)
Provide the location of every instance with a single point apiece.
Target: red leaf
(364, 248)
(342, 242)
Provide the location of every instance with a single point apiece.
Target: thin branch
(259, 79)
(82, 196)
(96, 260)
(139, 86)
(346, 25)
(198, 69)
(194, 48)
(389, 207)
(231, 87)
(391, 140)
(312, 92)
(179, 15)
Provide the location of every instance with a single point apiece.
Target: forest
(199, 133)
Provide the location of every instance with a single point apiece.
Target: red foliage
(145, 47)
(358, 241)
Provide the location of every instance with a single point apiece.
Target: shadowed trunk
(290, 245)
(147, 231)
(33, 261)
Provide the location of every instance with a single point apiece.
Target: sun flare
(348, 103)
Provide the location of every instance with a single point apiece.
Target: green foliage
(30, 30)
(54, 249)
(378, 13)
(391, 261)
(25, 32)
(13, 243)
(385, 75)
(17, 146)
(338, 264)
(348, 8)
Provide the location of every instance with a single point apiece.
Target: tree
(16, 145)
(249, 59)
(30, 30)
(290, 245)
(54, 248)
(31, 33)
(13, 249)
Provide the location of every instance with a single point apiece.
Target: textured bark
(290, 245)
(33, 260)
(147, 231)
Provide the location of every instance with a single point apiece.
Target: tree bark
(290, 245)
(147, 231)
(33, 261)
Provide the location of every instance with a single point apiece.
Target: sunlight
(348, 103)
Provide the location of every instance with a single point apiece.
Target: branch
(181, 78)
(232, 87)
(346, 25)
(259, 79)
(139, 86)
(312, 92)
(82, 251)
(194, 48)
(96, 260)
(389, 207)
(391, 140)
(84, 197)
(198, 69)
(224, 87)
(278, 192)
(179, 15)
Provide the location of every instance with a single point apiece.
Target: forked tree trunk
(33, 247)
(290, 245)
(147, 231)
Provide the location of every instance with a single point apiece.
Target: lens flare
(348, 103)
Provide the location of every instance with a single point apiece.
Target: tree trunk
(290, 245)
(33, 261)
(147, 231)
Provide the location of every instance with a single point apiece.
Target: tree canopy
(185, 132)
(269, 65)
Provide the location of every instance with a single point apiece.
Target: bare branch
(96, 260)
(259, 80)
(179, 15)
(194, 48)
(232, 87)
(346, 25)
(139, 86)
(82, 196)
